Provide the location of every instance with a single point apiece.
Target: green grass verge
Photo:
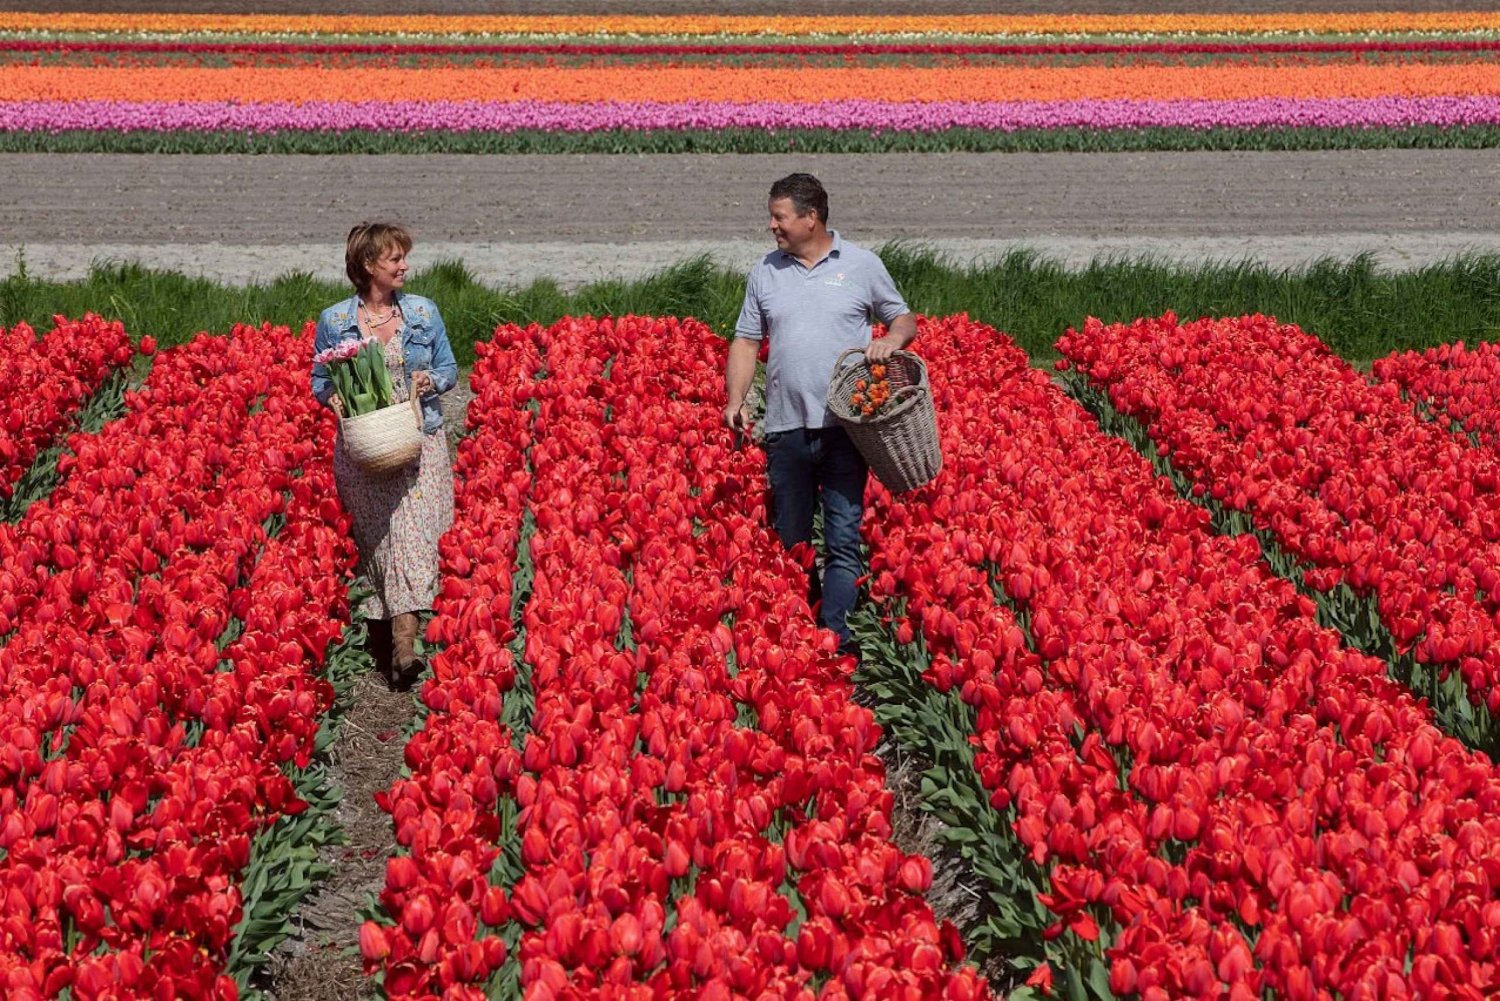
(1360, 311)
(747, 140)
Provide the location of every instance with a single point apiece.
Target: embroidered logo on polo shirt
(837, 281)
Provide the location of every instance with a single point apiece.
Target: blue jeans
(808, 466)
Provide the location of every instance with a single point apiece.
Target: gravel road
(581, 218)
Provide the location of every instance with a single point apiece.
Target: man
(811, 299)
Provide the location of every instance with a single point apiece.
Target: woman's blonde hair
(369, 242)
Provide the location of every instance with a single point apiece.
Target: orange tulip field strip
(733, 84)
(646, 25)
(181, 83)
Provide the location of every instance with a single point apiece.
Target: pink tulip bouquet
(357, 370)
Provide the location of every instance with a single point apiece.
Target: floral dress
(399, 517)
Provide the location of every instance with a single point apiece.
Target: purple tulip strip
(878, 116)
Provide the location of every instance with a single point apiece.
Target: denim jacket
(424, 344)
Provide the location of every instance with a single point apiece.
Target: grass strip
(1361, 312)
(746, 140)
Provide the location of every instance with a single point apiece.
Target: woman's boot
(378, 646)
(404, 651)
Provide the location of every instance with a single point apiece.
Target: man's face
(790, 229)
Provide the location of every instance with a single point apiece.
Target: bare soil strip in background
(628, 199)
(582, 218)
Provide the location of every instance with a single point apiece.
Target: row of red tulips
(1222, 794)
(1459, 383)
(47, 379)
(700, 814)
(166, 608)
(444, 893)
(1372, 500)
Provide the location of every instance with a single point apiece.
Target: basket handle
(838, 365)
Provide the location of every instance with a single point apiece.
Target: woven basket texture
(900, 443)
(385, 440)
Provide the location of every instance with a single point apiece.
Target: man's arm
(739, 373)
(887, 303)
(903, 330)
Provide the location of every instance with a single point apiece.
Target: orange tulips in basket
(871, 394)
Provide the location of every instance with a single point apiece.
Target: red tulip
(372, 942)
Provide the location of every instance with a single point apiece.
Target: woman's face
(389, 271)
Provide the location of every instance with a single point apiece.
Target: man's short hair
(806, 193)
(367, 243)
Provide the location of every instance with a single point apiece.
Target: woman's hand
(422, 384)
(337, 403)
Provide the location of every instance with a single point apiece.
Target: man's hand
(737, 418)
(903, 330)
(739, 373)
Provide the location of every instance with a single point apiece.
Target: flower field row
(17, 49)
(176, 82)
(709, 25)
(47, 380)
(1219, 796)
(1368, 500)
(471, 117)
(748, 84)
(164, 614)
(1462, 384)
(671, 786)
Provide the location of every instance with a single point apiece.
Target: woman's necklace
(370, 320)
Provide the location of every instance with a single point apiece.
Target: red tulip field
(164, 614)
(48, 380)
(1200, 664)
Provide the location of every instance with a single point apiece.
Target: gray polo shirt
(811, 316)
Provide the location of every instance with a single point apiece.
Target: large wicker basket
(900, 443)
(385, 440)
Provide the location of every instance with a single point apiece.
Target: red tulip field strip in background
(142, 758)
(1462, 384)
(1344, 475)
(696, 779)
(1242, 802)
(47, 380)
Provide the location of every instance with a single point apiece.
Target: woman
(398, 518)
